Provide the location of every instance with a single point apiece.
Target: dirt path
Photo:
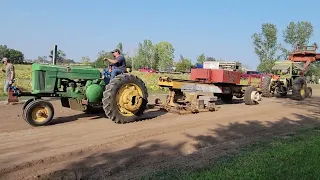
(80, 146)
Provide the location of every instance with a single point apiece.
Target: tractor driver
(118, 64)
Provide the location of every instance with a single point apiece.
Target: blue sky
(221, 29)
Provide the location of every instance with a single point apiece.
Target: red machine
(306, 54)
(216, 76)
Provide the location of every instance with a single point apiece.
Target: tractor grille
(40, 83)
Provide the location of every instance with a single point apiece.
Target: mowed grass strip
(295, 157)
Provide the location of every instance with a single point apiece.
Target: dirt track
(79, 146)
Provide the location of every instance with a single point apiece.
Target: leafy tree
(183, 65)
(146, 55)
(100, 62)
(201, 58)
(85, 60)
(120, 47)
(14, 56)
(266, 46)
(298, 33)
(165, 54)
(60, 57)
(210, 59)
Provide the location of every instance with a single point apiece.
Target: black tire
(110, 106)
(266, 80)
(226, 98)
(247, 96)
(24, 107)
(309, 92)
(28, 111)
(297, 86)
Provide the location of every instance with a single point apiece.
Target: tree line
(268, 48)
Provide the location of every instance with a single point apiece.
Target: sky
(220, 29)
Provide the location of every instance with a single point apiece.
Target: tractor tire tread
(110, 105)
(265, 86)
(296, 88)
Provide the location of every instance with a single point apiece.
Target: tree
(201, 58)
(85, 60)
(146, 55)
(100, 62)
(14, 56)
(298, 33)
(60, 57)
(210, 59)
(183, 65)
(266, 46)
(120, 47)
(164, 54)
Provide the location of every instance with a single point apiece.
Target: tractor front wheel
(38, 112)
(251, 96)
(24, 107)
(125, 98)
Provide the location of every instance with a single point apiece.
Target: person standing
(118, 65)
(9, 71)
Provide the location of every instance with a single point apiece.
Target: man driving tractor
(118, 65)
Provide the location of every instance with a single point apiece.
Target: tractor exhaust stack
(54, 55)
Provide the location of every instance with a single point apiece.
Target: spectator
(8, 69)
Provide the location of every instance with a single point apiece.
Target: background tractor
(289, 75)
(123, 99)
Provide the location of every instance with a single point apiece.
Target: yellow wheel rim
(40, 114)
(302, 91)
(129, 99)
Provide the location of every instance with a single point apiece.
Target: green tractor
(289, 75)
(123, 99)
(286, 78)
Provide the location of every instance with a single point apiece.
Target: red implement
(216, 76)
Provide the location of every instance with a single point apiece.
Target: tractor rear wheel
(251, 96)
(125, 98)
(38, 112)
(299, 88)
(266, 80)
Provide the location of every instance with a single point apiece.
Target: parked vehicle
(147, 69)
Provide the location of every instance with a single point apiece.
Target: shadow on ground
(148, 156)
(149, 114)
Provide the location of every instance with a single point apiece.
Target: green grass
(296, 157)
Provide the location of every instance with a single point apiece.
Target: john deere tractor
(123, 99)
(286, 78)
(289, 75)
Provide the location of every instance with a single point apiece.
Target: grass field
(295, 157)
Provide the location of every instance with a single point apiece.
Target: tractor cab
(282, 69)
